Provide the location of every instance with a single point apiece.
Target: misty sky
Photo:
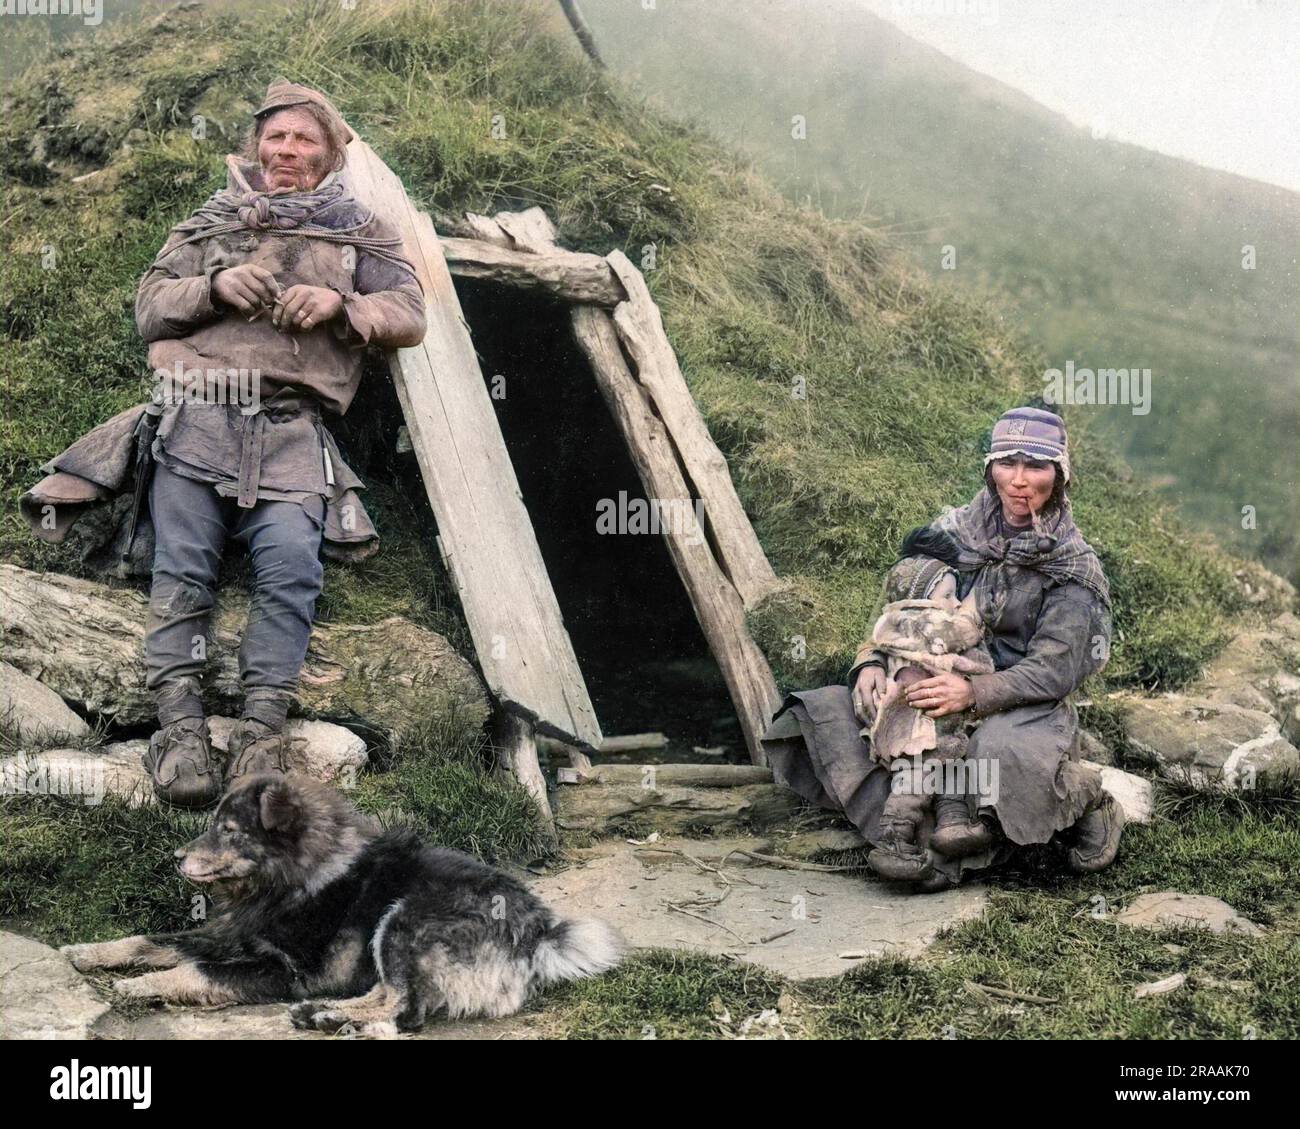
(1215, 81)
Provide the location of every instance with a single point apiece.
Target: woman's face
(1024, 485)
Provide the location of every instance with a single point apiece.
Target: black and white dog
(316, 901)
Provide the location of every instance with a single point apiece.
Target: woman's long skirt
(1023, 763)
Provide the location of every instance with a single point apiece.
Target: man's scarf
(970, 538)
(315, 215)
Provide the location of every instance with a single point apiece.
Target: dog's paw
(129, 989)
(82, 956)
(311, 1015)
(144, 987)
(300, 1014)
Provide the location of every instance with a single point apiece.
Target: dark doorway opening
(645, 660)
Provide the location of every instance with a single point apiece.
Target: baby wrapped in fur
(923, 630)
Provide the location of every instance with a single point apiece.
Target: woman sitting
(1043, 599)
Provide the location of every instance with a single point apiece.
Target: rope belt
(279, 409)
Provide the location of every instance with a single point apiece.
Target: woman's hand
(943, 694)
(867, 692)
(304, 307)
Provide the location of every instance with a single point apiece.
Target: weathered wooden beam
(717, 603)
(582, 30)
(641, 330)
(674, 775)
(622, 743)
(672, 809)
(485, 531)
(517, 751)
(570, 275)
(529, 230)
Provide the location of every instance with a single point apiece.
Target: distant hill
(1114, 256)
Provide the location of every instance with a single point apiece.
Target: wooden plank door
(485, 532)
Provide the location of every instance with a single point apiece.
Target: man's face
(293, 151)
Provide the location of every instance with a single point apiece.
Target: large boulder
(88, 774)
(41, 995)
(1207, 743)
(85, 642)
(31, 711)
(1260, 670)
(1133, 793)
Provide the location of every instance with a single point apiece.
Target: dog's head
(272, 831)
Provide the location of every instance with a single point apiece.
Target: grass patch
(442, 781)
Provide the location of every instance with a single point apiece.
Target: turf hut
(551, 386)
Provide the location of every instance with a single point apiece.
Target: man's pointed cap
(283, 93)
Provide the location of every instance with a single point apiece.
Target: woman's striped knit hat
(1031, 432)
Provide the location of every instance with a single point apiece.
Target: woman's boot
(1095, 837)
(897, 857)
(956, 835)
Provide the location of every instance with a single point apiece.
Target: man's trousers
(192, 523)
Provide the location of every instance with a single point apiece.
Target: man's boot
(1095, 837)
(255, 747)
(956, 835)
(185, 769)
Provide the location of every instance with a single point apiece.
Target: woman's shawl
(970, 537)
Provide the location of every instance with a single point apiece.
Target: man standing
(274, 287)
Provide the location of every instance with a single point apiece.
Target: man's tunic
(275, 445)
(300, 375)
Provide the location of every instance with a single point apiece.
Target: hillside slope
(1114, 256)
(903, 378)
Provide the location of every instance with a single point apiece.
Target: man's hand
(305, 307)
(867, 692)
(943, 694)
(247, 287)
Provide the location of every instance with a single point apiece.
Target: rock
(809, 844)
(41, 995)
(92, 774)
(1134, 793)
(34, 712)
(1206, 743)
(1263, 588)
(809, 918)
(1170, 909)
(326, 752)
(1260, 670)
(1093, 749)
(86, 642)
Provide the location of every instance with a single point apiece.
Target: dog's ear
(278, 806)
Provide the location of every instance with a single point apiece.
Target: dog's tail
(576, 947)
